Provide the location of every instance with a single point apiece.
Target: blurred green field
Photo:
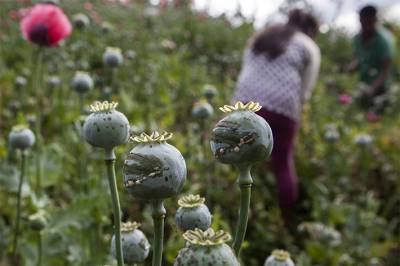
(170, 55)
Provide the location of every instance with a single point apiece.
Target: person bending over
(280, 67)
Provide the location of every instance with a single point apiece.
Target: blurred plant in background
(174, 57)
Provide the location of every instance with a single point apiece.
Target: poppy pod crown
(206, 248)
(45, 25)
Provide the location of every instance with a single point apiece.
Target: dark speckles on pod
(103, 117)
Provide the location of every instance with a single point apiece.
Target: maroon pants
(283, 131)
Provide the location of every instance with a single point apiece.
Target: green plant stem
(158, 214)
(245, 182)
(39, 246)
(81, 103)
(110, 161)
(18, 215)
(38, 123)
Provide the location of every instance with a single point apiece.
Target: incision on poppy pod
(154, 169)
(242, 137)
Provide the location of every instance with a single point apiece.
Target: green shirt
(371, 57)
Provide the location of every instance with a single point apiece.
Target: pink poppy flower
(345, 99)
(45, 25)
(372, 117)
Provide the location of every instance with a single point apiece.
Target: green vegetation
(350, 188)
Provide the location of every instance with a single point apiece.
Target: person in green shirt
(374, 53)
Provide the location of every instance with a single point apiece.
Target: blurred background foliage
(350, 193)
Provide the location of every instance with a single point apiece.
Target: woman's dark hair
(368, 11)
(273, 40)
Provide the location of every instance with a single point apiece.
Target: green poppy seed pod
(52, 2)
(20, 82)
(209, 91)
(14, 106)
(242, 137)
(331, 136)
(106, 27)
(82, 82)
(21, 137)
(112, 57)
(321, 232)
(80, 21)
(206, 248)
(135, 245)
(130, 54)
(363, 139)
(53, 81)
(279, 258)
(38, 220)
(192, 213)
(202, 110)
(154, 169)
(105, 127)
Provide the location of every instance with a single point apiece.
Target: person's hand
(351, 67)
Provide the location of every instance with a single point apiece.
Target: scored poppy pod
(45, 25)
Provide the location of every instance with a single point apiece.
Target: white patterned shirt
(282, 84)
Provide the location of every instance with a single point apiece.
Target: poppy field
(132, 67)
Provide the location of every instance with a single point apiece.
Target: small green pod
(82, 82)
(135, 245)
(53, 81)
(105, 127)
(21, 137)
(154, 169)
(192, 213)
(242, 137)
(112, 57)
(38, 221)
(20, 82)
(206, 248)
(209, 91)
(202, 110)
(279, 258)
(80, 21)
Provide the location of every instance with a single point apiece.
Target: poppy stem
(18, 215)
(158, 214)
(110, 162)
(245, 182)
(39, 246)
(38, 123)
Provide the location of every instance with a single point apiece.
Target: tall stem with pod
(154, 170)
(20, 138)
(107, 128)
(242, 138)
